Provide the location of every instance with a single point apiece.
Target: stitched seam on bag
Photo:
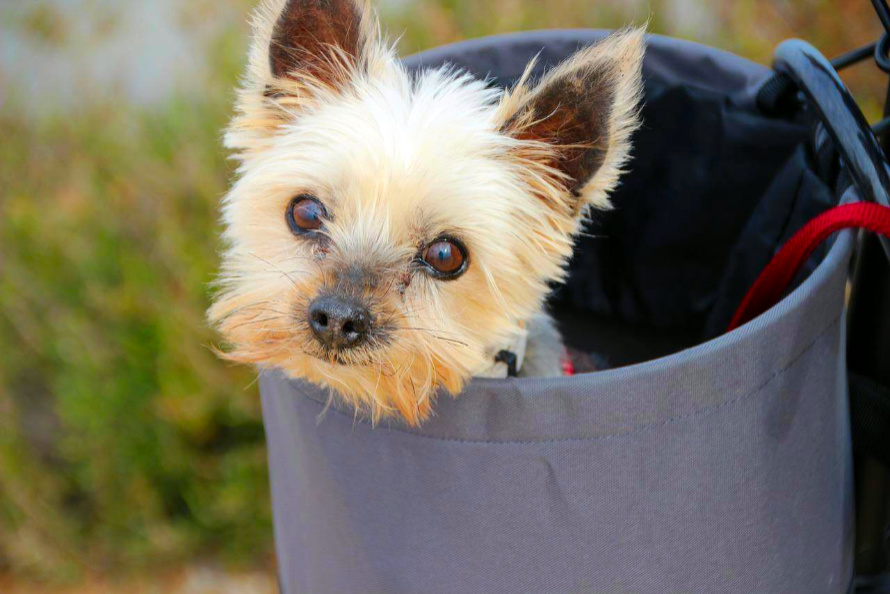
(704, 411)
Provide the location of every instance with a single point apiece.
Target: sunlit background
(131, 459)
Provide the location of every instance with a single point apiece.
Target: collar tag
(504, 358)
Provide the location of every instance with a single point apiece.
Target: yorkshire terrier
(391, 234)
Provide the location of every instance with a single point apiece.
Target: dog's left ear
(580, 117)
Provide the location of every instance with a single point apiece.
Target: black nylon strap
(777, 97)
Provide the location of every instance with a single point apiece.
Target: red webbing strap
(773, 282)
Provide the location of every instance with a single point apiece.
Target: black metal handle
(882, 57)
(883, 13)
(848, 129)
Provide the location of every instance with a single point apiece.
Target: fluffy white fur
(399, 160)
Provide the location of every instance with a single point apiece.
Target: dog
(391, 234)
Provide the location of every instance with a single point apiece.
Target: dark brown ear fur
(572, 113)
(586, 110)
(313, 37)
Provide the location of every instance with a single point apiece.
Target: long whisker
(430, 333)
(440, 332)
(293, 282)
(252, 322)
(251, 305)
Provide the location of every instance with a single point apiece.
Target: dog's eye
(305, 214)
(446, 258)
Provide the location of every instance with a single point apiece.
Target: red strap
(773, 282)
(568, 368)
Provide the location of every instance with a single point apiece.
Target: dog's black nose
(339, 323)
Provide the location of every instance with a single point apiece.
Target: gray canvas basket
(724, 467)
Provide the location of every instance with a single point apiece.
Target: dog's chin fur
(398, 161)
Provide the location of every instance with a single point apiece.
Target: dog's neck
(536, 348)
(507, 358)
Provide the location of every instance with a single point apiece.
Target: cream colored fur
(398, 159)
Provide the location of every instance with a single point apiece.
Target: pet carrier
(701, 461)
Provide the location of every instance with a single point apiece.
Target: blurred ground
(196, 580)
(126, 447)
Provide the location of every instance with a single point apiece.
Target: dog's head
(388, 232)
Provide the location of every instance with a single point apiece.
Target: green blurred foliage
(123, 440)
(751, 28)
(124, 443)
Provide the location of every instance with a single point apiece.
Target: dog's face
(388, 233)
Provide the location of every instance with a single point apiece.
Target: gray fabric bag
(724, 467)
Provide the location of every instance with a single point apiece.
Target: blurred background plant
(126, 447)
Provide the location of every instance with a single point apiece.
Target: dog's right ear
(302, 50)
(321, 41)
